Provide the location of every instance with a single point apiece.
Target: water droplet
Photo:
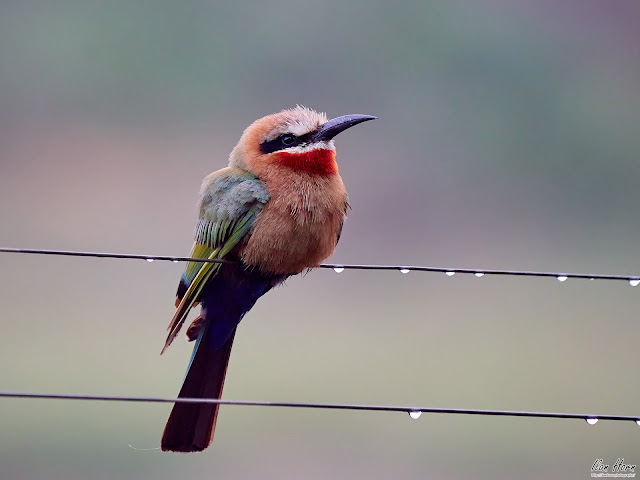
(450, 274)
(592, 420)
(415, 414)
(149, 260)
(634, 282)
(479, 274)
(404, 270)
(638, 422)
(175, 261)
(338, 269)
(562, 278)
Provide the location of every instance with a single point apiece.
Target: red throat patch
(317, 162)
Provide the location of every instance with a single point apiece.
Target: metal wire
(633, 280)
(326, 406)
(413, 411)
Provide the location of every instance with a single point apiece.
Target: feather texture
(230, 200)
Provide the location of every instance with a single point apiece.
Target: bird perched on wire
(275, 211)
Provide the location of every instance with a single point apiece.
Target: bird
(277, 210)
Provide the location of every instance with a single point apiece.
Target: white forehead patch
(297, 121)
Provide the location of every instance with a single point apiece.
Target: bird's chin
(319, 161)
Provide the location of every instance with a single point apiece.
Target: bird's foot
(194, 328)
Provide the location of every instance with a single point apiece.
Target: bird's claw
(194, 328)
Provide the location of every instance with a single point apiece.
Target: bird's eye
(288, 139)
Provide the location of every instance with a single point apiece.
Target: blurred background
(508, 137)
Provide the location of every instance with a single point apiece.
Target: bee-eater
(275, 211)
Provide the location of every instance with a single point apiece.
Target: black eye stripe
(278, 143)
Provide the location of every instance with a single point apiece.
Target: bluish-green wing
(230, 200)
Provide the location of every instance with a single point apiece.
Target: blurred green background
(508, 137)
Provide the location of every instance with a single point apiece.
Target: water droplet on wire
(338, 269)
(415, 414)
(592, 420)
(562, 278)
(479, 274)
(175, 261)
(149, 260)
(638, 422)
(404, 270)
(450, 274)
(634, 282)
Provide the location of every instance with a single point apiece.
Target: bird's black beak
(336, 125)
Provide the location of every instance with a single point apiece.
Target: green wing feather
(230, 200)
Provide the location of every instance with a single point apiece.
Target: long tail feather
(191, 425)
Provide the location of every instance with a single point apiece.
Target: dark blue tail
(225, 300)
